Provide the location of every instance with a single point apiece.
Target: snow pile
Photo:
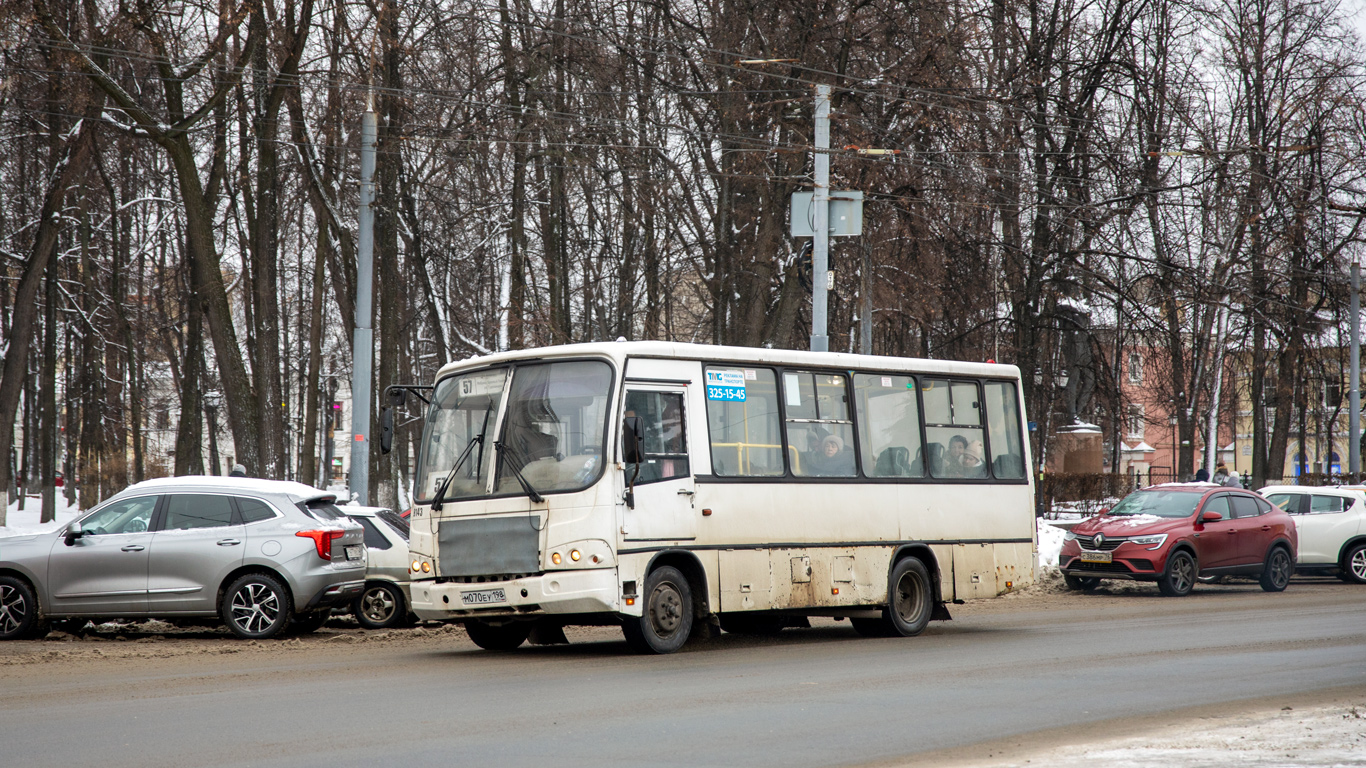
(19, 523)
(1317, 737)
(1050, 544)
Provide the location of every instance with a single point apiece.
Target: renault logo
(1099, 540)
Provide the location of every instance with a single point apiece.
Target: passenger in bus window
(973, 465)
(832, 460)
(954, 466)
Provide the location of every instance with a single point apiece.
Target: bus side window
(819, 432)
(953, 425)
(1003, 429)
(889, 426)
(742, 417)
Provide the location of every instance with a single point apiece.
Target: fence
(1084, 493)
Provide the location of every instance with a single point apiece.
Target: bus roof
(618, 351)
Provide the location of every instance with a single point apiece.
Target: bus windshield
(556, 427)
(554, 432)
(463, 410)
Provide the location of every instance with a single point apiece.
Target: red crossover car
(1173, 534)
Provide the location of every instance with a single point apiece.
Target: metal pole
(1354, 398)
(362, 351)
(820, 201)
(1212, 428)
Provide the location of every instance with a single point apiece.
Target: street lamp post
(1172, 420)
(211, 402)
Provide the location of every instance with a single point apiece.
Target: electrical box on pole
(844, 217)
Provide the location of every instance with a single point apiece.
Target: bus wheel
(492, 637)
(909, 598)
(667, 619)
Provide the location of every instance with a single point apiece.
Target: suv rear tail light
(322, 540)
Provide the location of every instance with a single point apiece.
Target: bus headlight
(589, 553)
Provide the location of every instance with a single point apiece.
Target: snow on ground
(1050, 544)
(22, 522)
(1326, 736)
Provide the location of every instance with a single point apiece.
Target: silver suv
(262, 555)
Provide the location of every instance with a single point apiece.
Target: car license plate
(1096, 557)
(353, 552)
(483, 597)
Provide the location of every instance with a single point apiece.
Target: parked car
(1175, 533)
(1332, 527)
(261, 555)
(384, 601)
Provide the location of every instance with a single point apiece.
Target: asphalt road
(813, 697)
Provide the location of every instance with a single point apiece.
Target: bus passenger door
(662, 483)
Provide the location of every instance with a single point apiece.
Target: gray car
(384, 603)
(261, 555)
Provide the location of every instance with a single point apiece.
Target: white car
(1332, 528)
(384, 601)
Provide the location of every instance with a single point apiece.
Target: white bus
(667, 487)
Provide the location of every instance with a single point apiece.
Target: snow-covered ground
(1323, 736)
(21, 522)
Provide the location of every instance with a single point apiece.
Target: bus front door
(661, 485)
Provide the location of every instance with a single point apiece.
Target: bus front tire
(910, 603)
(666, 621)
(494, 637)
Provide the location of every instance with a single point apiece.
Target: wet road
(814, 697)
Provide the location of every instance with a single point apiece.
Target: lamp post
(211, 402)
(1172, 420)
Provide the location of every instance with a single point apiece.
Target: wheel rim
(1183, 573)
(1280, 568)
(1358, 564)
(377, 605)
(910, 597)
(255, 607)
(666, 609)
(13, 608)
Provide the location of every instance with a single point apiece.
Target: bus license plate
(1096, 557)
(483, 597)
(353, 552)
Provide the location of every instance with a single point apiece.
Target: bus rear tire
(492, 637)
(910, 603)
(666, 620)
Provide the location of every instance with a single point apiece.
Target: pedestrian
(238, 471)
(1202, 475)
(1233, 480)
(1220, 474)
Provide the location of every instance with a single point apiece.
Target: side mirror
(1210, 517)
(632, 440)
(395, 397)
(386, 430)
(73, 532)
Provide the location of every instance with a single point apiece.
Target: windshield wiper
(536, 498)
(465, 454)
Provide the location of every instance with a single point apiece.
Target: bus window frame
(848, 373)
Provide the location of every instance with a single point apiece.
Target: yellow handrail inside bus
(742, 458)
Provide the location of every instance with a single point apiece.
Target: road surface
(1029, 669)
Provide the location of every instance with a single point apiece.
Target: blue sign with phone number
(734, 394)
